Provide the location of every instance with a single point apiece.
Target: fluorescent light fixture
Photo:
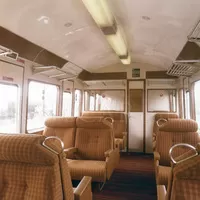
(117, 42)
(100, 12)
(127, 60)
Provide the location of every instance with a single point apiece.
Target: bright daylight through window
(9, 109)
(67, 104)
(42, 100)
(197, 101)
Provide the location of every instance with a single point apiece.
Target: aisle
(134, 179)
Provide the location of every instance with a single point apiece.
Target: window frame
(27, 101)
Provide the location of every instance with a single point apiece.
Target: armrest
(109, 153)
(112, 160)
(156, 155)
(83, 191)
(161, 192)
(70, 152)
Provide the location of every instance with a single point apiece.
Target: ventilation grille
(195, 34)
(178, 69)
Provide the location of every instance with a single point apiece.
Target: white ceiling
(156, 41)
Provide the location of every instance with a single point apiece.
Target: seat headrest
(114, 115)
(61, 122)
(179, 125)
(165, 116)
(93, 123)
(25, 148)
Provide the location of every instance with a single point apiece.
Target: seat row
(119, 125)
(168, 131)
(88, 145)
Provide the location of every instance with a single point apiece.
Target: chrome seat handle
(161, 119)
(179, 145)
(53, 137)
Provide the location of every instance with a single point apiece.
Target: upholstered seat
(93, 152)
(184, 181)
(173, 132)
(162, 118)
(95, 169)
(29, 170)
(119, 126)
(62, 127)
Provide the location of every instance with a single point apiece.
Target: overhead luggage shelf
(195, 34)
(181, 69)
(68, 72)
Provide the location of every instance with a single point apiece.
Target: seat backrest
(28, 170)
(62, 127)
(94, 137)
(163, 116)
(119, 125)
(174, 132)
(184, 180)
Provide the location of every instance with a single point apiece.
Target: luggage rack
(183, 69)
(69, 71)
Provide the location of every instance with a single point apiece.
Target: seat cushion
(81, 168)
(163, 174)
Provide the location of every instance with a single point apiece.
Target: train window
(92, 99)
(97, 104)
(112, 100)
(197, 101)
(161, 100)
(187, 105)
(77, 105)
(9, 109)
(86, 100)
(67, 104)
(42, 103)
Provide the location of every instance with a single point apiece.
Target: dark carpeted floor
(134, 179)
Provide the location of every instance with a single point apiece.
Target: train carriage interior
(100, 99)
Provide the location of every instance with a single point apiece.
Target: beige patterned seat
(28, 170)
(184, 181)
(119, 126)
(93, 154)
(160, 119)
(173, 132)
(62, 127)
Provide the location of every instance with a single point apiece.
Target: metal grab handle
(161, 119)
(53, 137)
(109, 118)
(185, 145)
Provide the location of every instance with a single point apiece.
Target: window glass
(97, 105)
(187, 105)
(197, 101)
(162, 100)
(91, 102)
(77, 103)
(42, 103)
(9, 109)
(112, 100)
(67, 104)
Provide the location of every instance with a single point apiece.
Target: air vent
(195, 34)
(178, 69)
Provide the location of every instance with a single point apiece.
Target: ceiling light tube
(100, 12)
(117, 42)
(126, 61)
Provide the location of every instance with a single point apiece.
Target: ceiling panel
(155, 30)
